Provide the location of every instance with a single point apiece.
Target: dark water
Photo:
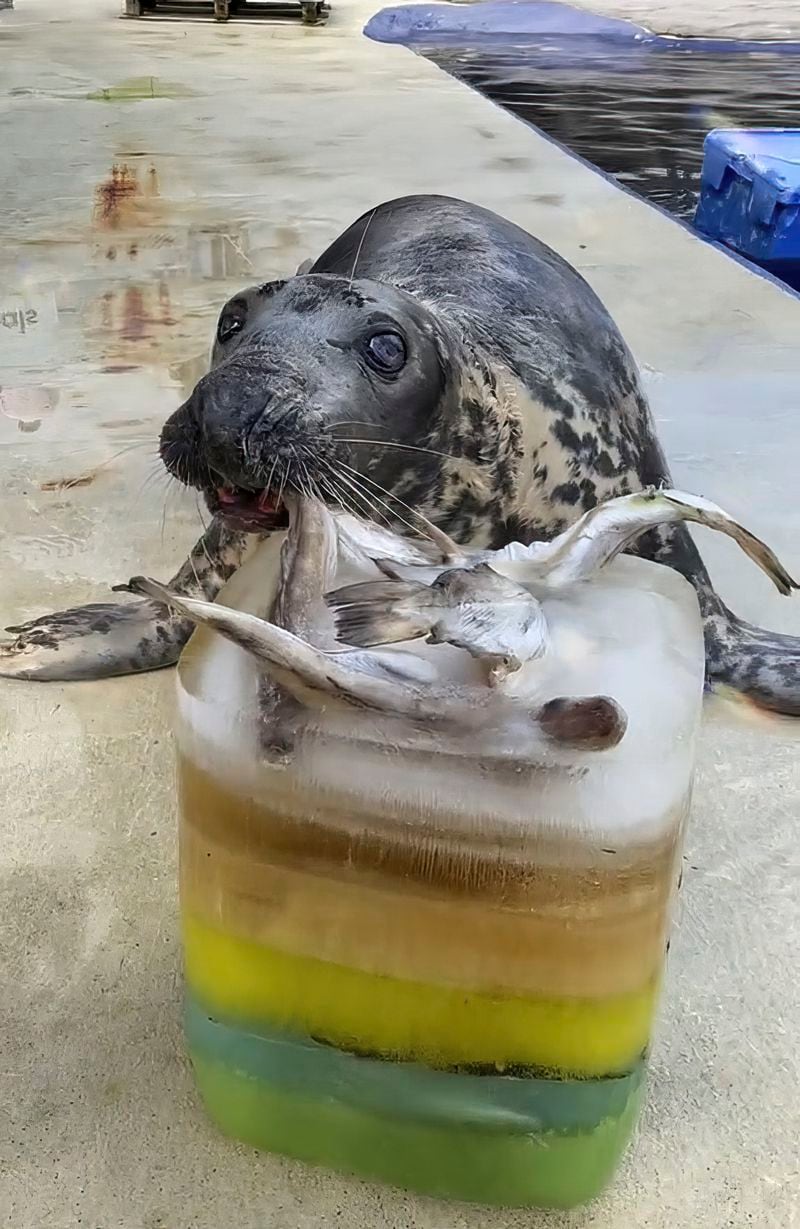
(641, 118)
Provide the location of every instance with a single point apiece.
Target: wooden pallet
(310, 12)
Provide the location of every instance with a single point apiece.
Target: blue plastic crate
(750, 195)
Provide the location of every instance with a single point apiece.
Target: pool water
(641, 117)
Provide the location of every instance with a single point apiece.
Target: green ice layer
(489, 1139)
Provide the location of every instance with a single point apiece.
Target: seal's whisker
(336, 492)
(389, 494)
(209, 559)
(326, 487)
(373, 499)
(421, 529)
(348, 439)
(154, 480)
(310, 482)
(361, 243)
(371, 511)
(268, 484)
(164, 511)
(302, 479)
(365, 504)
(200, 516)
(195, 573)
(294, 466)
(156, 476)
(102, 465)
(339, 498)
(130, 446)
(327, 493)
(282, 487)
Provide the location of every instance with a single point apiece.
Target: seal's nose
(181, 446)
(248, 415)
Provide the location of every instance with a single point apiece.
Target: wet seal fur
(509, 406)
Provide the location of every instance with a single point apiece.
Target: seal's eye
(228, 327)
(386, 353)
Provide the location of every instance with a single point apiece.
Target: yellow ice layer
(238, 979)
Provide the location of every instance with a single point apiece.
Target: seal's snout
(242, 438)
(180, 447)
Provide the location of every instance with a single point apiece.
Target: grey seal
(435, 359)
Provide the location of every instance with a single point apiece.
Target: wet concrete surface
(147, 172)
(762, 19)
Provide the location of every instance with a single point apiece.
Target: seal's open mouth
(252, 511)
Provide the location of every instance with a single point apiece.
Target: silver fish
(392, 684)
(486, 609)
(604, 531)
(488, 605)
(593, 541)
(493, 618)
(361, 681)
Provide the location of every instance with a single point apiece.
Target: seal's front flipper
(106, 639)
(94, 642)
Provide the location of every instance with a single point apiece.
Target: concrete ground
(239, 151)
(746, 19)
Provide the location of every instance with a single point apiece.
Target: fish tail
(378, 612)
(715, 518)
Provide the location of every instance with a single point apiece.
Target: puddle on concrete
(28, 406)
(139, 89)
(641, 118)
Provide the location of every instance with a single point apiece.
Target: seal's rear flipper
(764, 666)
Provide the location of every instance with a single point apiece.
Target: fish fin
(365, 627)
(390, 591)
(379, 612)
(389, 568)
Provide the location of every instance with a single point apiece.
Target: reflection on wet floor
(125, 293)
(28, 406)
(640, 117)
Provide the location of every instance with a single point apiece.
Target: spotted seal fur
(436, 357)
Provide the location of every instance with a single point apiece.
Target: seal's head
(316, 385)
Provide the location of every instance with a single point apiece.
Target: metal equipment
(310, 12)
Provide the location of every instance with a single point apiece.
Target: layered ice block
(420, 962)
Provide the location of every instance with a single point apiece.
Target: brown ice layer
(544, 914)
